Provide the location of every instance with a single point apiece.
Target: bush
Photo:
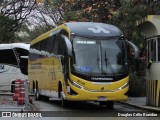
(137, 85)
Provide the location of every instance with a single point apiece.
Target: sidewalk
(140, 103)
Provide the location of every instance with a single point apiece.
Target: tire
(37, 96)
(64, 103)
(103, 103)
(33, 87)
(110, 105)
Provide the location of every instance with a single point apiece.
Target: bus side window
(61, 47)
(49, 44)
(55, 44)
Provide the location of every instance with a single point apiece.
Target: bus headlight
(75, 84)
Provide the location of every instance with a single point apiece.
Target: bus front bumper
(85, 95)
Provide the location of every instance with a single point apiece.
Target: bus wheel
(64, 102)
(33, 87)
(37, 95)
(110, 105)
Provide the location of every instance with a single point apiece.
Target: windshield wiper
(94, 66)
(109, 63)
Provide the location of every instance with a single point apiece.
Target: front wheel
(64, 103)
(108, 104)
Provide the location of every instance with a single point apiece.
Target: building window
(152, 50)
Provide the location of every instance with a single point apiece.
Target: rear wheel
(33, 87)
(37, 94)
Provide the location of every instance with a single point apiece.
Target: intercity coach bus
(13, 62)
(80, 61)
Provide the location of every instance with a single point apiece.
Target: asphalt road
(51, 110)
(87, 110)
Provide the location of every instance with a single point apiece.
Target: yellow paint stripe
(151, 92)
(147, 92)
(158, 94)
(154, 92)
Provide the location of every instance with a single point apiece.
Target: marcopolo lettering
(99, 78)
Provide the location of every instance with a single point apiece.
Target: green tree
(26, 34)
(6, 34)
(13, 14)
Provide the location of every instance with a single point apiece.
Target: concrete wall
(150, 25)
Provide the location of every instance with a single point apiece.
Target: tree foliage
(5, 26)
(13, 14)
(122, 13)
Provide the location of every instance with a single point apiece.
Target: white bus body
(10, 58)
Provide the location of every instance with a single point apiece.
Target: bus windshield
(99, 56)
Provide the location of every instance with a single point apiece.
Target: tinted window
(99, 57)
(51, 45)
(45, 47)
(61, 47)
(8, 56)
(55, 44)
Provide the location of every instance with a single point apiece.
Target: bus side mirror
(135, 49)
(68, 45)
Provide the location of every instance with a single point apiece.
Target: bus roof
(86, 29)
(93, 29)
(14, 45)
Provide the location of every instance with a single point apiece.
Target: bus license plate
(102, 98)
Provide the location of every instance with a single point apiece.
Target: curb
(148, 108)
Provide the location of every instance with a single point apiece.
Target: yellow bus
(80, 61)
